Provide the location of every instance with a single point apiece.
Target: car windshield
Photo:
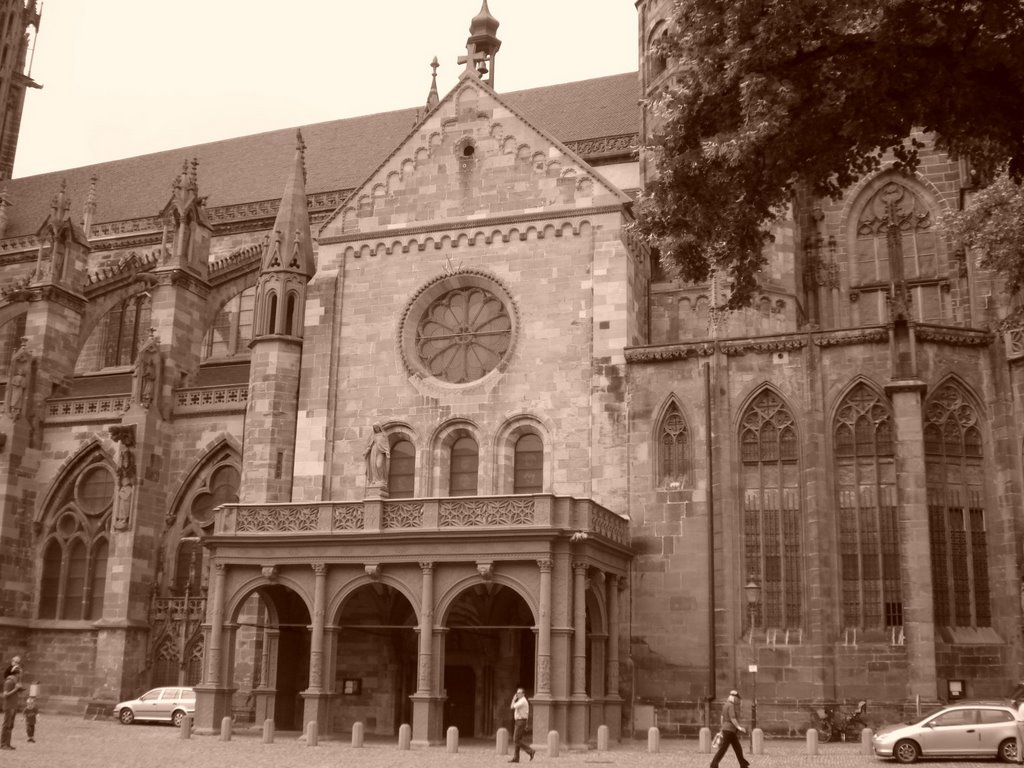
(154, 694)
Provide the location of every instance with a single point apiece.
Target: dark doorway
(292, 677)
(460, 708)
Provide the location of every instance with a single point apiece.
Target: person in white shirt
(521, 716)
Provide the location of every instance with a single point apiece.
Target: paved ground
(71, 742)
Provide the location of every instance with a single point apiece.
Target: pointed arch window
(124, 328)
(402, 470)
(896, 240)
(465, 463)
(955, 473)
(673, 448)
(771, 515)
(271, 322)
(231, 331)
(528, 465)
(11, 334)
(868, 531)
(75, 545)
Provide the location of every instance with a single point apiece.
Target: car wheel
(906, 752)
(1008, 751)
(176, 717)
(127, 717)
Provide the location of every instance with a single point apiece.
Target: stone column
(613, 709)
(267, 690)
(577, 736)
(916, 556)
(426, 704)
(213, 697)
(316, 701)
(542, 711)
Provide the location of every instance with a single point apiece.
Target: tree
(770, 96)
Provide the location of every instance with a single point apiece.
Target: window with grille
(867, 512)
(402, 470)
(124, 329)
(528, 470)
(231, 331)
(956, 510)
(465, 460)
(673, 448)
(771, 511)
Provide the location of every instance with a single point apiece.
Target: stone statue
(378, 456)
(124, 460)
(19, 381)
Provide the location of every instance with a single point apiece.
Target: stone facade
(387, 449)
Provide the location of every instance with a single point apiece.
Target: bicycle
(831, 724)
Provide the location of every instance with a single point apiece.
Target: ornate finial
(432, 97)
(193, 175)
(300, 147)
(91, 197)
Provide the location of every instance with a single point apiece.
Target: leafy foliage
(993, 226)
(768, 96)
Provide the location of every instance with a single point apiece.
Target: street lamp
(753, 593)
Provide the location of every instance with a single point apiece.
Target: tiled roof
(340, 155)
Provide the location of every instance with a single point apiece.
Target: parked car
(964, 729)
(168, 705)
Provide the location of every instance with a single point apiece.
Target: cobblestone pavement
(72, 742)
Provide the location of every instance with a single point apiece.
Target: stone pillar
(542, 696)
(577, 736)
(916, 558)
(613, 708)
(426, 704)
(267, 691)
(213, 697)
(316, 707)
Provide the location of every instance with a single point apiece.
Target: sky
(127, 77)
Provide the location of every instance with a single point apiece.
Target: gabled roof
(341, 154)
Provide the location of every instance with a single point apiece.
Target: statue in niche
(124, 460)
(378, 456)
(19, 381)
(147, 372)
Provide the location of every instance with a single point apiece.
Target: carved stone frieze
(846, 338)
(276, 519)
(609, 525)
(955, 337)
(669, 352)
(401, 514)
(347, 517)
(485, 512)
(733, 349)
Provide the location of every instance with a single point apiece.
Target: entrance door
(460, 709)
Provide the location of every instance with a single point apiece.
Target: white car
(166, 705)
(966, 729)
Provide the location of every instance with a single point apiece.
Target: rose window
(463, 335)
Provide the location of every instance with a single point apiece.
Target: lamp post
(752, 590)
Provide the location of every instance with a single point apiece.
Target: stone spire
(290, 248)
(432, 97)
(89, 214)
(63, 246)
(482, 46)
(187, 230)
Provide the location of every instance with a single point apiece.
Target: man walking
(521, 716)
(731, 730)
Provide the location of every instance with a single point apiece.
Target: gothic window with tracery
(868, 531)
(955, 470)
(11, 334)
(463, 335)
(897, 239)
(673, 448)
(231, 331)
(402, 470)
(124, 328)
(75, 545)
(771, 511)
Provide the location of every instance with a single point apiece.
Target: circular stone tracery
(458, 328)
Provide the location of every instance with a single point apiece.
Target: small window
(465, 461)
(529, 465)
(955, 718)
(401, 472)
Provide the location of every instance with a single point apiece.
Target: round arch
(336, 605)
(444, 603)
(503, 448)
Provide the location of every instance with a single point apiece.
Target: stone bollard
(452, 740)
(602, 738)
(704, 740)
(312, 734)
(186, 727)
(357, 735)
(225, 729)
(268, 731)
(757, 741)
(405, 736)
(552, 743)
(865, 742)
(653, 739)
(501, 742)
(812, 741)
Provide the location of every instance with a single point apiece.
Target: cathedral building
(379, 420)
